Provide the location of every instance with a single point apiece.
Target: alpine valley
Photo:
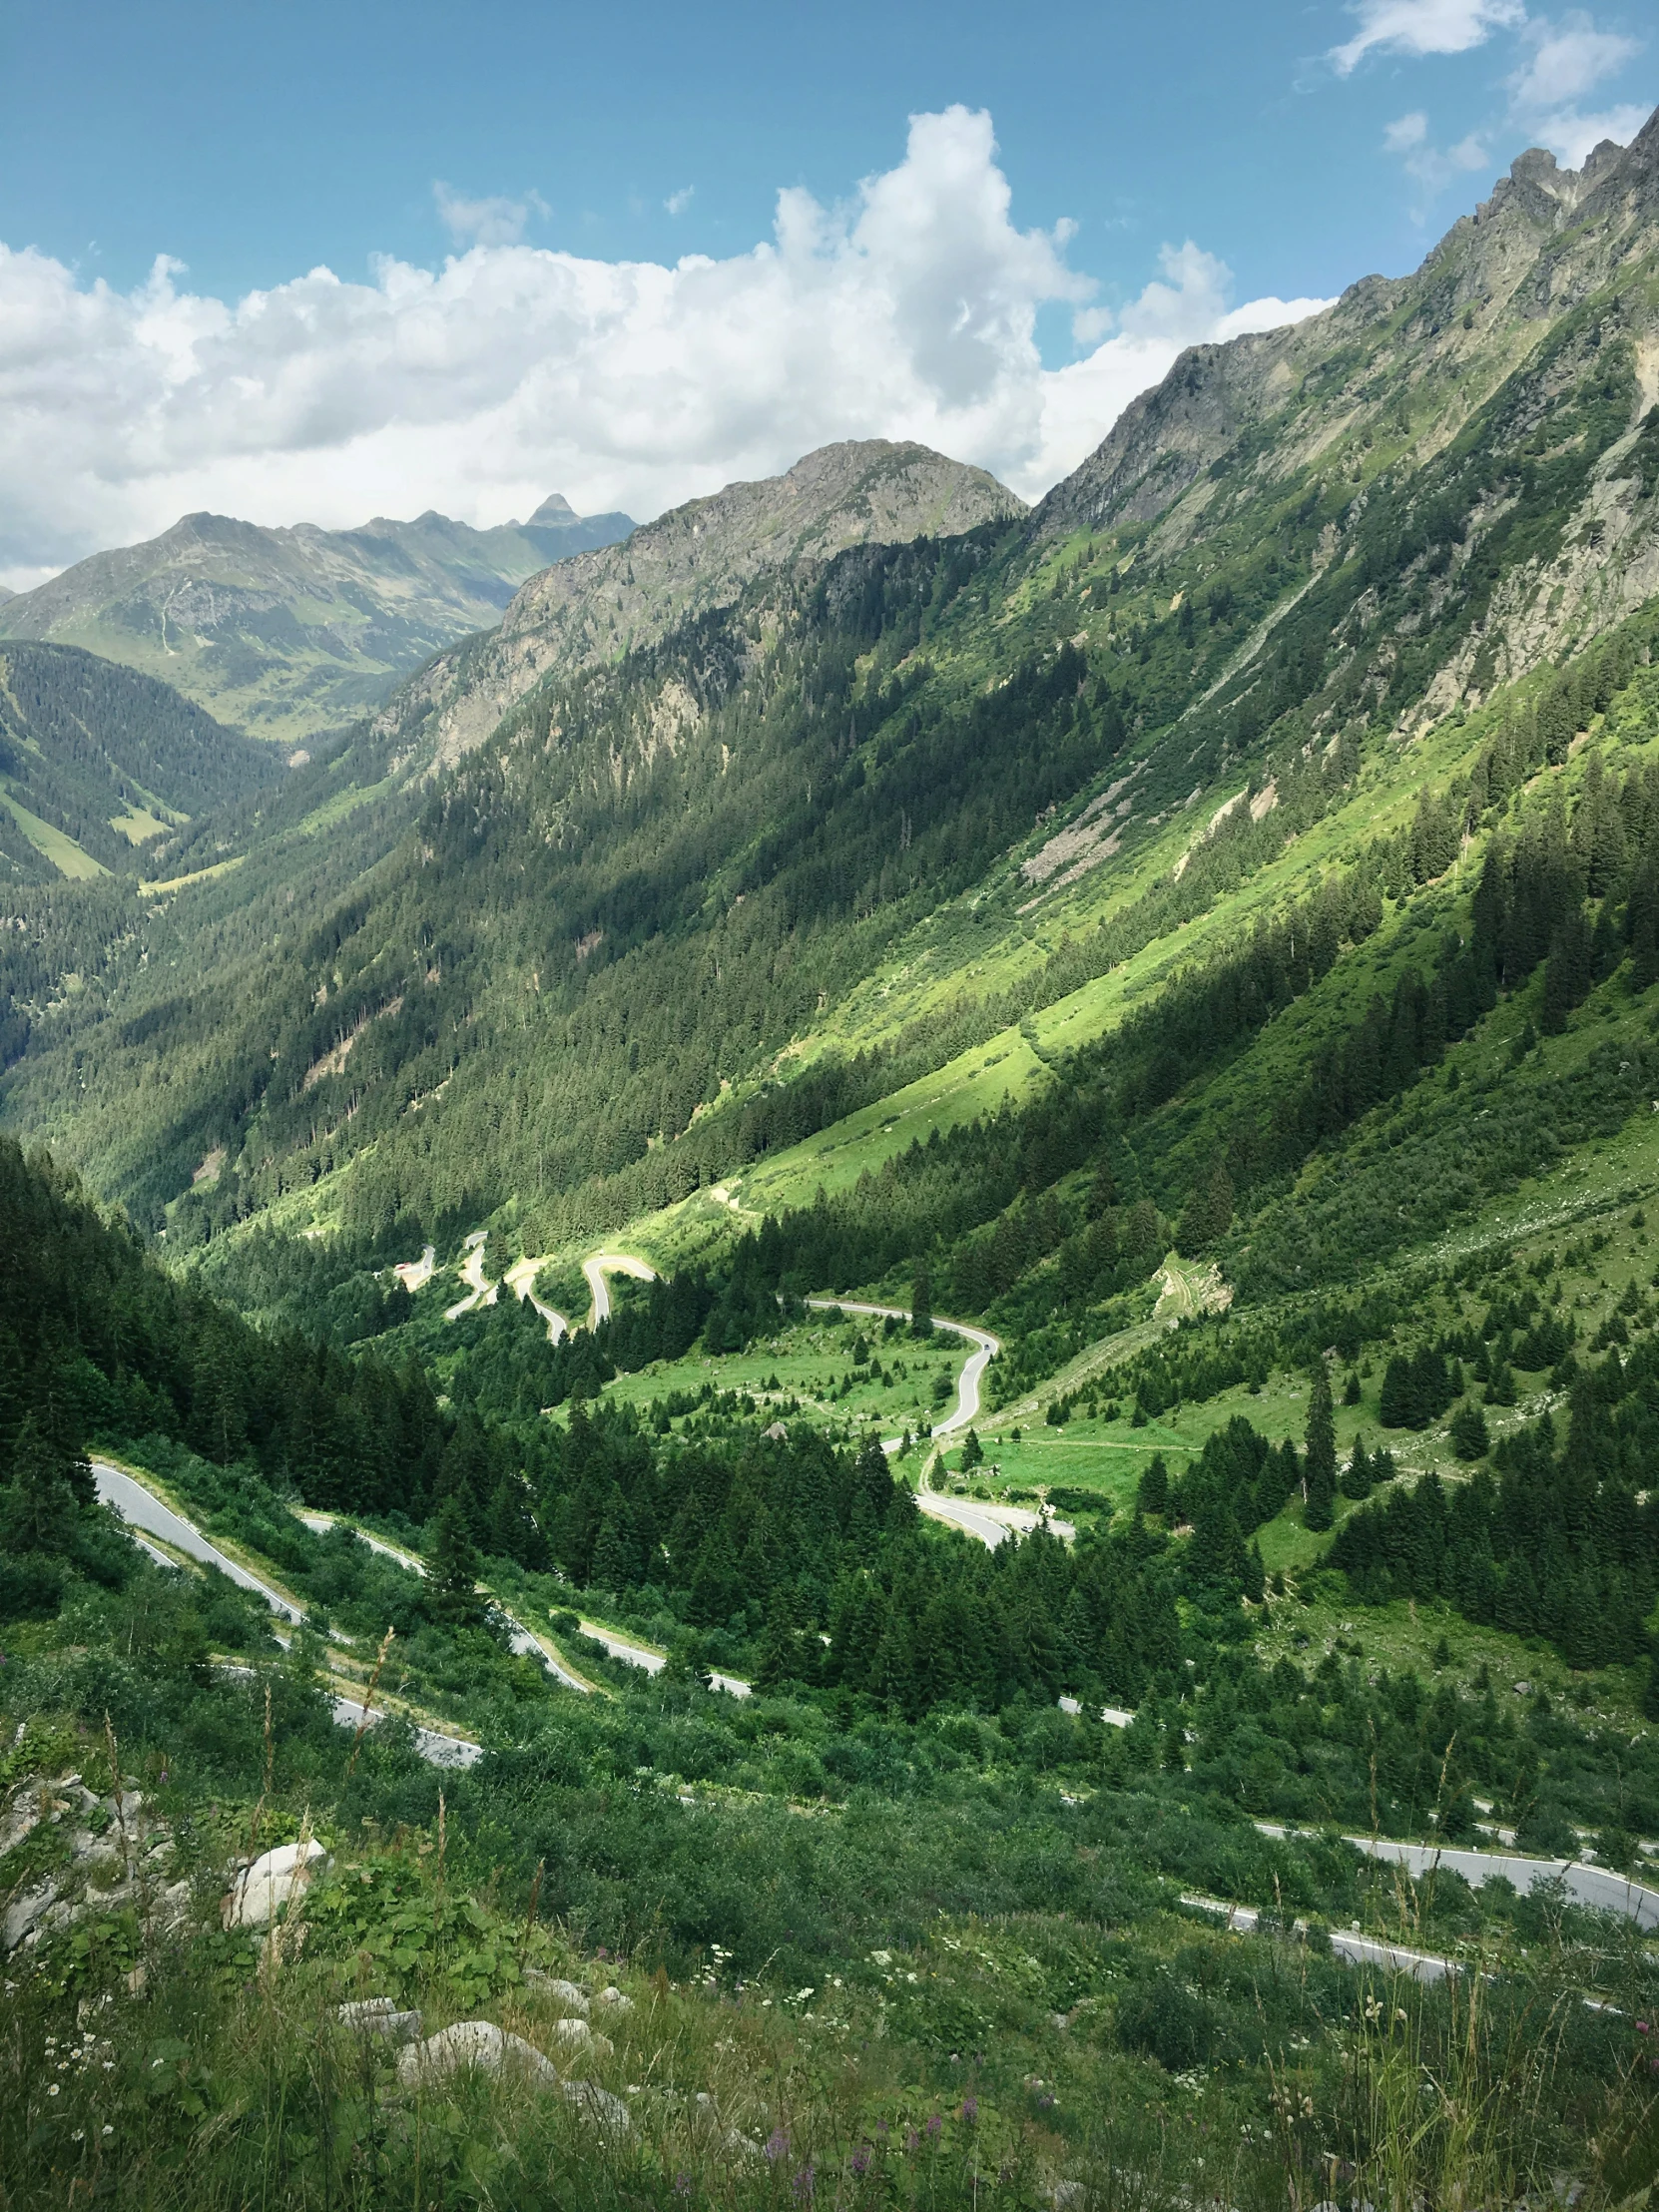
(908, 1239)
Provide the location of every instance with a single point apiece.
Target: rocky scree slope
(697, 557)
(295, 632)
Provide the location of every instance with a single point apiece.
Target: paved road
(479, 1293)
(612, 1263)
(1597, 1887)
(523, 1640)
(438, 1749)
(1353, 1949)
(142, 1508)
(521, 1279)
(415, 1274)
(642, 1655)
(992, 1525)
(986, 1349)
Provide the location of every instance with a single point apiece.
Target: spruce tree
(450, 1595)
(1318, 1467)
(922, 1305)
(1153, 1494)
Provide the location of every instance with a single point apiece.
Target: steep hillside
(97, 764)
(699, 557)
(291, 633)
(642, 929)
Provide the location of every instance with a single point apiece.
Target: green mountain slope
(99, 763)
(1206, 932)
(291, 633)
(643, 930)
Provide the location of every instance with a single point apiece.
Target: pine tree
(779, 1662)
(922, 1305)
(1358, 1477)
(1470, 1436)
(1318, 1467)
(39, 1504)
(450, 1595)
(974, 1451)
(1396, 1404)
(1153, 1494)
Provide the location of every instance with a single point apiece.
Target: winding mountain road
(523, 1640)
(612, 1263)
(521, 1279)
(479, 1292)
(142, 1508)
(992, 1525)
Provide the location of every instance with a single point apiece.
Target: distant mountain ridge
(696, 557)
(291, 633)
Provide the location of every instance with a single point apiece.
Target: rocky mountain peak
(594, 605)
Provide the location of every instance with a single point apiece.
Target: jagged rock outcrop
(1266, 404)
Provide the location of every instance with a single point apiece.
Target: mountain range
(289, 634)
(1201, 936)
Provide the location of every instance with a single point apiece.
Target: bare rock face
(477, 2045)
(596, 605)
(272, 1880)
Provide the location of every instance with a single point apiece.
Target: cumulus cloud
(512, 370)
(1569, 60)
(485, 221)
(1562, 60)
(1423, 26)
(1433, 167)
(1571, 136)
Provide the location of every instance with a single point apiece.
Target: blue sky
(1292, 147)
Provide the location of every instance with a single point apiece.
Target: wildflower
(970, 2109)
(935, 2127)
(108, 2129)
(778, 2144)
(52, 2092)
(803, 2186)
(682, 2184)
(913, 2141)
(860, 2159)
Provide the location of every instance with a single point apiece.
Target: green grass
(809, 1363)
(62, 850)
(138, 826)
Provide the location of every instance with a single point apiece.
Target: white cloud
(485, 221)
(1569, 60)
(1563, 60)
(1405, 132)
(511, 370)
(1423, 26)
(1433, 167)
(678, 202)
(1572, 137)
